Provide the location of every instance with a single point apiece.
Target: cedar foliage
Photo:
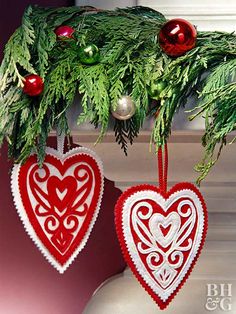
(131, 59)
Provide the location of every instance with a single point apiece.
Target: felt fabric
(59, 203)
(161, 235)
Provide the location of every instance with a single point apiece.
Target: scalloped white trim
(164, 294)
(24, 217)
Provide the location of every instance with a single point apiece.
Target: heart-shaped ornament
(161, 236)
(59, 203)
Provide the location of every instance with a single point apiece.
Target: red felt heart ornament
(59, 202)
(161, 236)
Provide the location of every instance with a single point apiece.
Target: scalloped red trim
(119, 229)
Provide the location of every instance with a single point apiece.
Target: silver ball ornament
(125, 108)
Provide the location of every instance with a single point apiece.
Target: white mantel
(205, 14)
(209, 15)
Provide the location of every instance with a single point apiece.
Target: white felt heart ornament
(161, 236)
(59, 203)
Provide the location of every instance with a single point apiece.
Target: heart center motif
(59, 202)
(164, 228)
(61, 192)
(161, 235)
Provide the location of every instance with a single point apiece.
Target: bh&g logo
(219, 297)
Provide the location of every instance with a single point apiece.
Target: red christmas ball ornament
(64, 31)
(177, 36)
(33, 85)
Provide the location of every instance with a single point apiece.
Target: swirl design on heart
(161, 235)
(164, 252)
(59, 202)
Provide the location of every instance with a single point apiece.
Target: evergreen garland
(131, 59)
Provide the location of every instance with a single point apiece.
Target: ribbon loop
(163, 167)
(60, 141)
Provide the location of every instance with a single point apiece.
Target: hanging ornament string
(60, 141)
(163, 167)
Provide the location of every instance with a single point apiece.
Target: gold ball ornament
(125, 108)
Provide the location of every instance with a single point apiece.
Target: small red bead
(64, 31)
(33, 85)
(177, 36)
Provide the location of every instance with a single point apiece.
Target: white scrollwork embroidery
(162, 237)
(158, 221)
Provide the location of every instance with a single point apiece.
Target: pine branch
(120, 135)
(17, 53)
(125, 131)
(131, 60)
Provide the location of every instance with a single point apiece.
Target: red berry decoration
(177, 37)
(64, 31)
(33, 85)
